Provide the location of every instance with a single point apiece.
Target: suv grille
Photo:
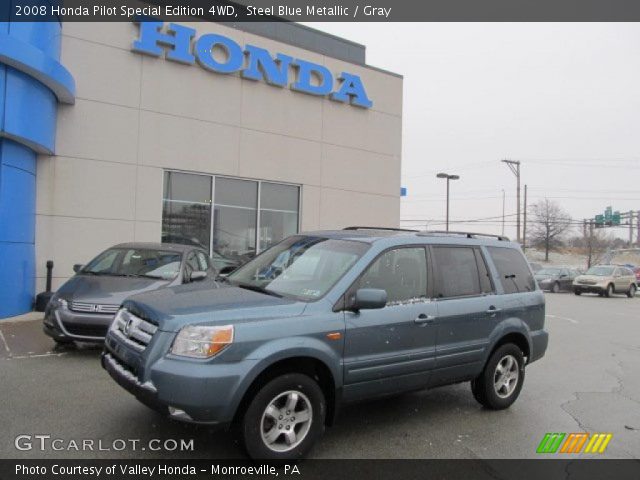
(93, 308)
(132, 330)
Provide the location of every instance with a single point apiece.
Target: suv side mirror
(197, 276)
(369, 299)
(77, 267)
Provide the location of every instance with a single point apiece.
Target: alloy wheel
(286, 421)
(506, 376)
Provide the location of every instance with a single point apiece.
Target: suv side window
(402, 272)
(456, 273)
(513, 271)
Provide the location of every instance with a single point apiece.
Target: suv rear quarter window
(513, 270)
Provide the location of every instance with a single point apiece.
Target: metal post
(503, 197)
(447, 177)
(630, 228)
(524, 221)
(447, 204)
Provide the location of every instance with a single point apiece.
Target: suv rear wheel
(499, 384)
(632, 291)
(284, 419)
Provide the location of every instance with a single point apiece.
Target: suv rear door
(392, 348)
(467, 311)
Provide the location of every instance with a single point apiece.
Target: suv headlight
(202, 342)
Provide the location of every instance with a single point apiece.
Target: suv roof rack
(384, 229)
(501, 238)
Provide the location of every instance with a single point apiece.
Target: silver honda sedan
(82, 309)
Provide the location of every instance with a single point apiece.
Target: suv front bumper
(197, 391)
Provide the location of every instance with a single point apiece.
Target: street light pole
(448, 177)
(514, 166)
(503, 212)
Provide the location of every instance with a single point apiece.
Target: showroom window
(247, 215)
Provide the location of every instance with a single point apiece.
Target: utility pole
(448, 177)
(503, 212)
(630, 228)
(514, 166)
(524, 220)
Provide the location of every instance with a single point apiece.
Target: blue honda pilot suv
(325, 318)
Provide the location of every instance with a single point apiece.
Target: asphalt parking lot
(588, 381)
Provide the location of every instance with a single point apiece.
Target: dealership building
(226, 137)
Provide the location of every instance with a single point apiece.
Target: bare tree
(550, 223)
(598, 242)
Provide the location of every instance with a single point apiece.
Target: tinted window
(456, 272)
(402, 272)
(513, 270)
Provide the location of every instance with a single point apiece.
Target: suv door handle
(424, 318)
(492, 310)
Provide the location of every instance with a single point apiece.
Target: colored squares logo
(574, 443)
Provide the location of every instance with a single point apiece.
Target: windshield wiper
(256, 288)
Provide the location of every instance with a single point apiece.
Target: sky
(562, 98)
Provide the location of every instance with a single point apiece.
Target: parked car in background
(637, 273)
(327, 318)
(556, 279)
(606, 280)
(82, 308)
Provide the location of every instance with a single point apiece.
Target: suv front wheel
(284, 419)
(499, 384)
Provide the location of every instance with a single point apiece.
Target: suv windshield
(301, 267)
(135, 262)
(600, 271)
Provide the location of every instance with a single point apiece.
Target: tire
(483, 387)
(632, 291)
(271, 405)
(609, 291)
(555, 288)
(577, 291)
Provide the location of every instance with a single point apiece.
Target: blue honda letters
(310, 77)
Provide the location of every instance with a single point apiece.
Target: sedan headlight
(202, 341)
(57, 302)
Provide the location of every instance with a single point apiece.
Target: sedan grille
(93, 308)
(587, 282)
(132, 330)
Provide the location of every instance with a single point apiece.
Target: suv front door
(393, 348)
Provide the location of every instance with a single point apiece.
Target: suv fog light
(202, 341)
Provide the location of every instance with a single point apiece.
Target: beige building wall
(137, 115)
